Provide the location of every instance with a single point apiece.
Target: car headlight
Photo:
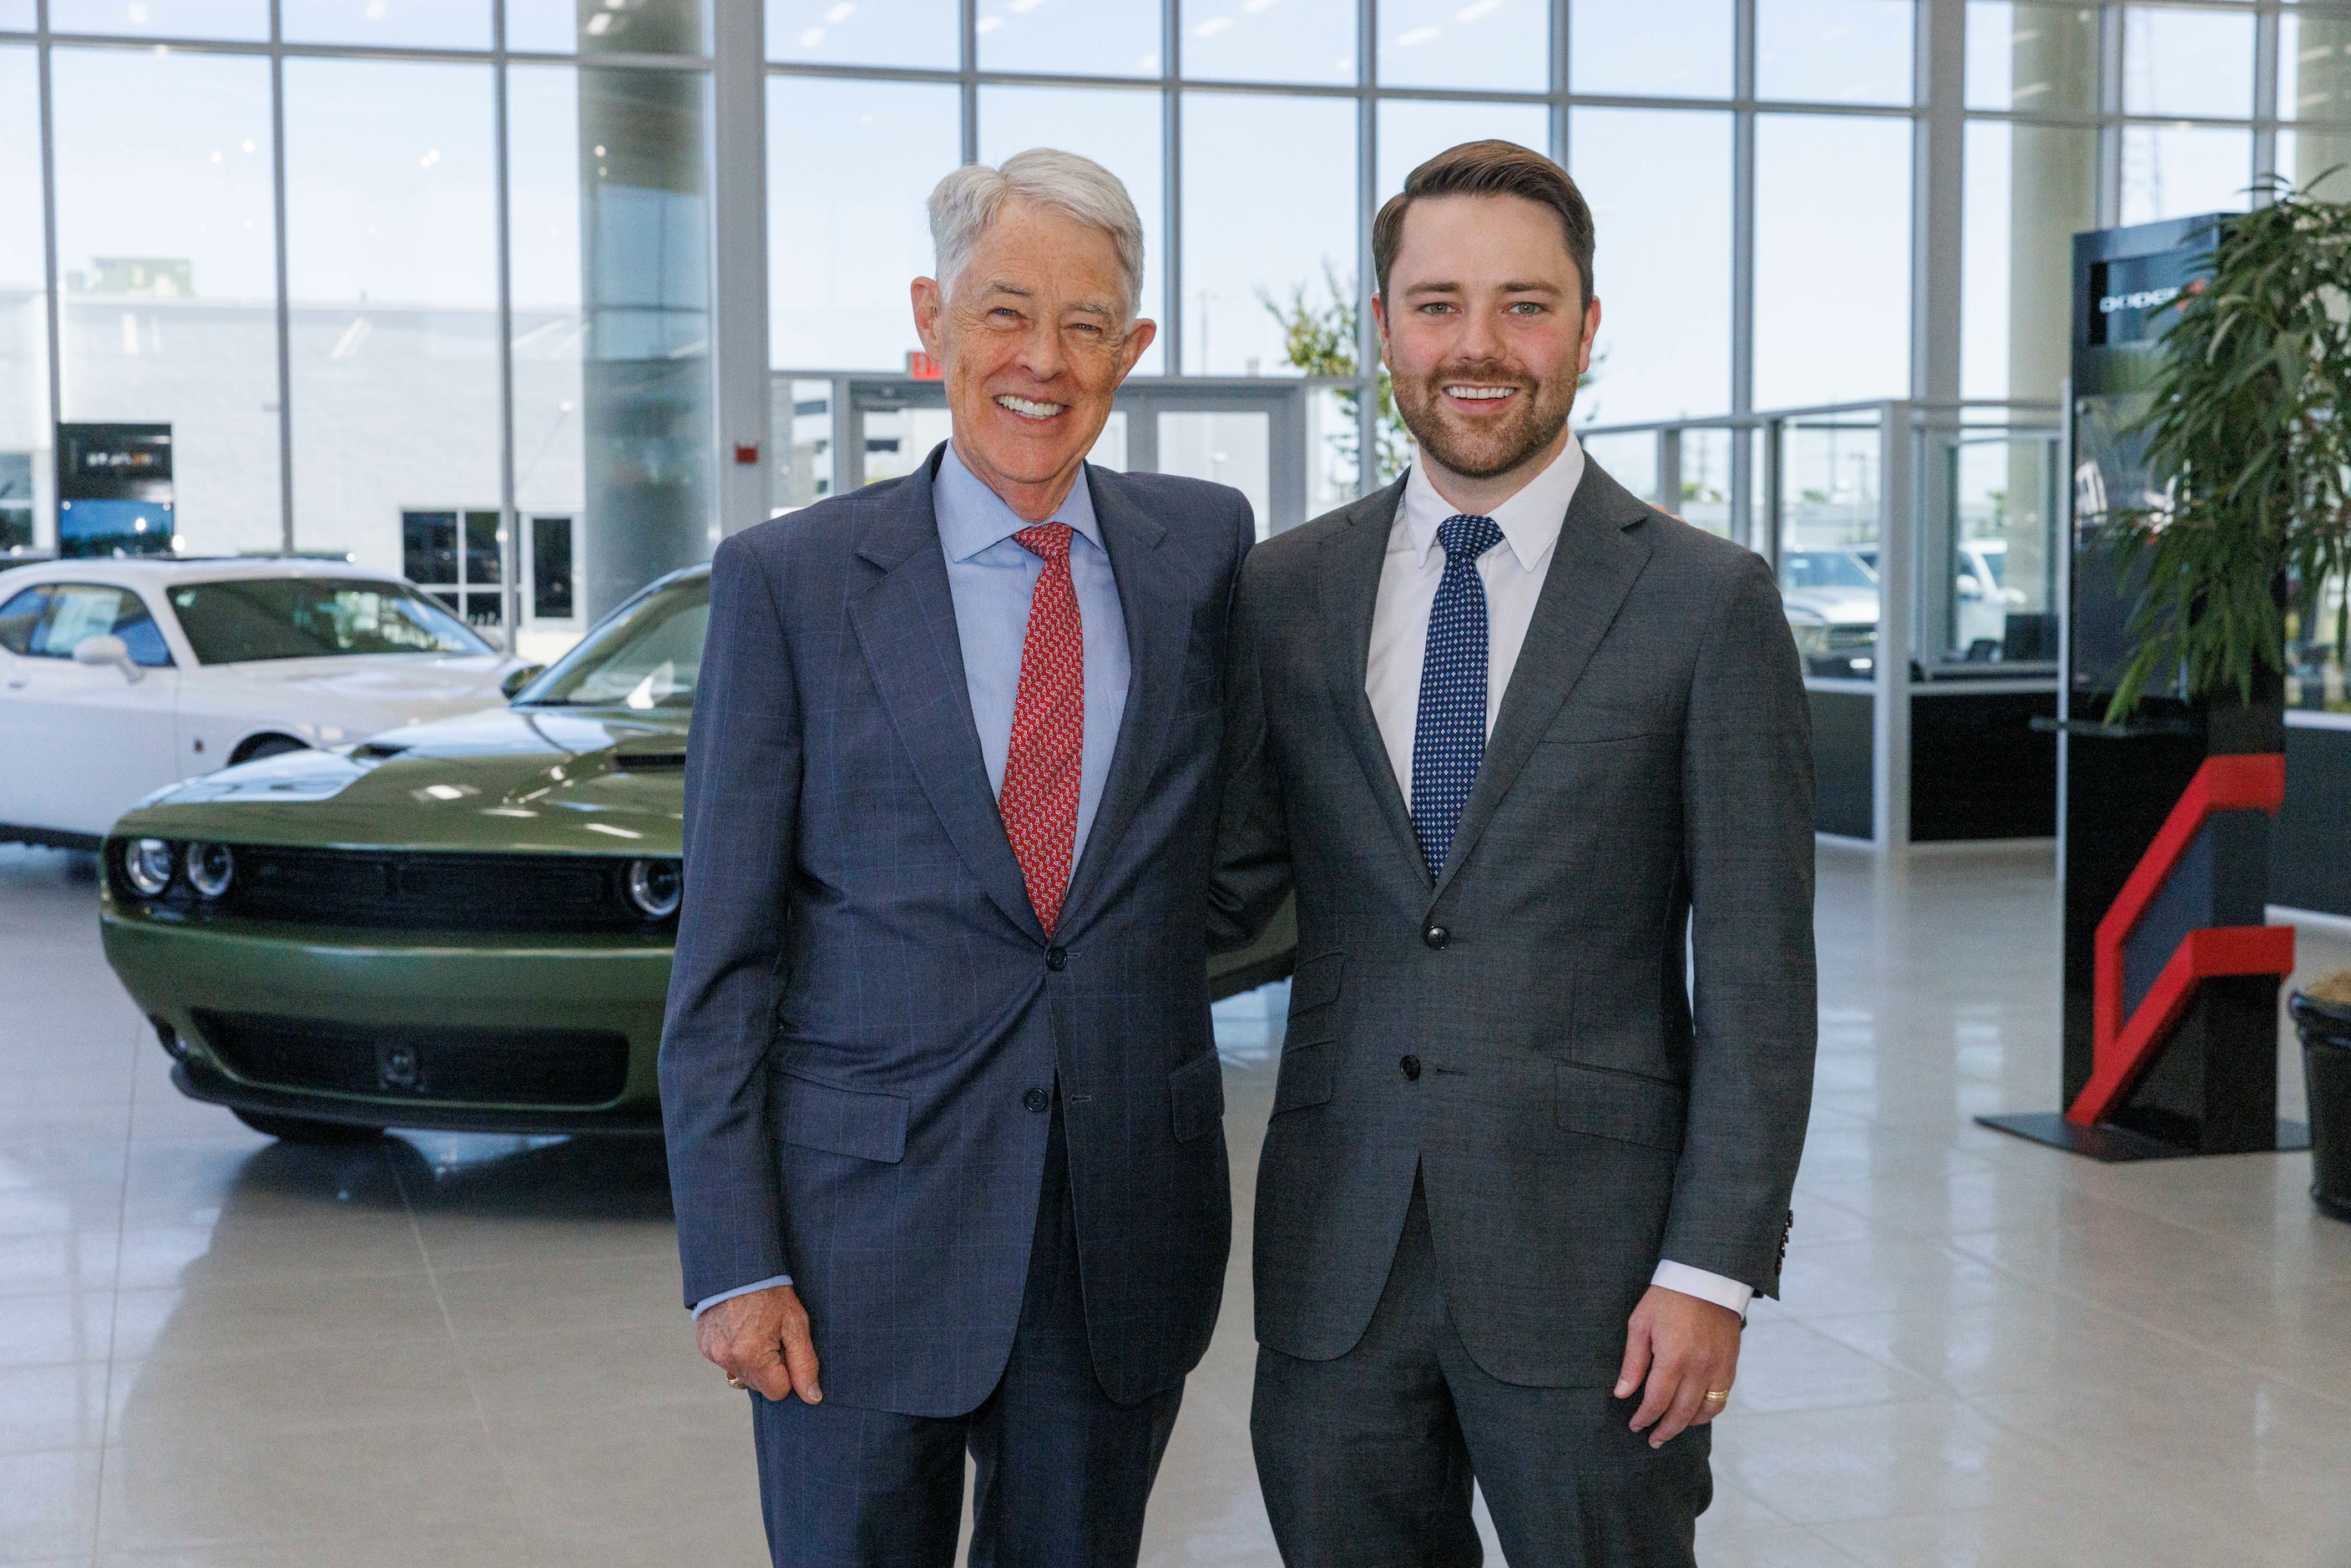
(655, 887)
(147, 866)
(1812, 636)
(210, 866)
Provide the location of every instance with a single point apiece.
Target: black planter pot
(2326, 1030)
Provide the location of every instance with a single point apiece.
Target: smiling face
(1033, 338)
(1485, 330)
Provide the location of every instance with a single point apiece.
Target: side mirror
(518, 679)
(1967, 586)
(107, 649)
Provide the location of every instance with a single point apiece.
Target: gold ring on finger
(1717, 1395)
(734, 1382)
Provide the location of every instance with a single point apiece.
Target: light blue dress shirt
(992, 577)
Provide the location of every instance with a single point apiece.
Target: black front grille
(387, 890)
(508, 1066)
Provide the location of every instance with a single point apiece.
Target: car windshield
(646, 657)
(1823, 569)
(245, 619)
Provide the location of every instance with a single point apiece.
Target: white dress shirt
(1513, 574)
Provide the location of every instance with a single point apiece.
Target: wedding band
(734, 1382)
(1717, 1395)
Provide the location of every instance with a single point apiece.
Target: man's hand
(763, 1339)
(1686, 1349)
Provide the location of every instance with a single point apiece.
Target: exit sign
(921, 367)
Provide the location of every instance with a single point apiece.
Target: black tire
(305, 1129)
(262, 746)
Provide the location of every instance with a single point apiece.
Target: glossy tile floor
(214, 1350)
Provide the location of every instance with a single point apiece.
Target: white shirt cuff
(1706, 1287)
(707, 1303)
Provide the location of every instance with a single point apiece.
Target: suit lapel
(904, 622)
(1593, 567)
(1158, 610)
(1348, 589)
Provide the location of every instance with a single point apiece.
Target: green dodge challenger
(464, 925)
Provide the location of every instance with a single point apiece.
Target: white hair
(964, 203)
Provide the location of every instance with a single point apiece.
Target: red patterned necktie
(1040, 797)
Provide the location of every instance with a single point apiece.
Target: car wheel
(306, 1130)
(262, 746)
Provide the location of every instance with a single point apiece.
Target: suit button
(1037, 1100)
(1410, 1067)
(1056, 959)
(1436, 936)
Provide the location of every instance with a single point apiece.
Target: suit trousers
(1366, 1459)
(1062, 1471)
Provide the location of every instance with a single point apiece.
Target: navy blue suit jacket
(863, 1001)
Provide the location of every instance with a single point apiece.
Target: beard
(1482, 449)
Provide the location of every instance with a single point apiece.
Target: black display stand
(2208, 1085)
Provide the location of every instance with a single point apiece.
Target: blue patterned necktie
(1448, 739)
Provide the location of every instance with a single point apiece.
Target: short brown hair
(1487, 169)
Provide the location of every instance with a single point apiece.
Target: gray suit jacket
(1649, 774)
(866, 1020)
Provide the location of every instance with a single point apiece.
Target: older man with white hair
(944, 1109)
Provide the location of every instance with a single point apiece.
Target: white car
(118, 677)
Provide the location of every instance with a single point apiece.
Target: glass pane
(1330, 441)
(1496, 45)
(897, 440)
(2029, 190)
(1257, 238)
(391, 261)
(1119, 129)
(2305, 155)
(1661, 260)
(1831, 259)
(1665, 46)
(2002, 577)
(1269, 40)
(1828, 544)
(18, 16)
(2188, 62)
(428, 548)
(1834, 51)
(799, 431)
(552, 580)
(170, 310)
(550, 321)
(25, 460)
(2032, 57)
(415, 24)
(1415, 129)
(1229, 448)
(637, 27)
(2314, 67)
(921, 34)
(1630, 458)
(1095, 37)
(1705, 499)
(161, 18)
(2177, 170)
(848, 165)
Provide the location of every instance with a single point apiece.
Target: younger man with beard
(1513, 737)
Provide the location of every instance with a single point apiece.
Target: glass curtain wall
(422, 283)
(1259, 137)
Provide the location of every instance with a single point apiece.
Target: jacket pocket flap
(1196, 1090)
(855, 1122)
(1624, 1106)
(1307, 1078)
(1316, 982)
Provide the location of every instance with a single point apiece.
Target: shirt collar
(972, 517)
(1529, 520)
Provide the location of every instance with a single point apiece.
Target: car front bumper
(344, 987)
